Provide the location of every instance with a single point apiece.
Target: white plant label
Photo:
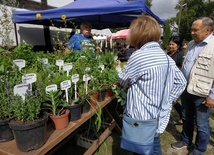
(86, 78)
(65, 85)
(115, 58)
(118, 69)
(20, 63)
(52, 87)
(45, 61)
(21, 90)
(67, 67)
(75, 79)
(102, 67)
(87, 69)
(29, 78)
(60, 63)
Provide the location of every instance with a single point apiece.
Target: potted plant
(57, 111)
(29, 121)
(7, 78)
(5, 114)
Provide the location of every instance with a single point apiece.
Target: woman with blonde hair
(153, 81)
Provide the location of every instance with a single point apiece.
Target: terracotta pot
(109, 92)
(93, 99)
(61, 121)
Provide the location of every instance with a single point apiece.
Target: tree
(149, 3)
(7, 28)
(166, 35)
(193, 10)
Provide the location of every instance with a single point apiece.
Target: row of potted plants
(26, 93)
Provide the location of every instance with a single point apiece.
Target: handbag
(138, 135)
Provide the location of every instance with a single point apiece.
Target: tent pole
(15, 29)
(47, 38)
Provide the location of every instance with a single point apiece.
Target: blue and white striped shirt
(144, 75)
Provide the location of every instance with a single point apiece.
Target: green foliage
(166, 35)
(28, 109)
(24, 51)
(193, 10)
(6, 108)
(8, 79)
(120, 94)
(54, 102)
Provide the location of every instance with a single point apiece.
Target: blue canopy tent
(100, 13)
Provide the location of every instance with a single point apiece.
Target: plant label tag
(102, 67)
(20, 63)
(118, 69)
(60, 63)
(65, 84)
(29, 78)
(115, 58)
(52, 87)
(75, 78)
(87, 69)
(67, 66)
(86, 77)
(21, 89)
(45, 61)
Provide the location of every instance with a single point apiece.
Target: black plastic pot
(86, 107)
(30, 136)
(6, 133)
(75, 112)
(101, 95)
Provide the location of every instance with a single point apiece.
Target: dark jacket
(178, 57)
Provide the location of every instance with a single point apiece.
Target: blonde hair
(144, 29)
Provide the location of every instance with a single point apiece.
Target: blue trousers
(157, 147)
(195, 113)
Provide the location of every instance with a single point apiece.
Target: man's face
(198, 31)
(86, 31)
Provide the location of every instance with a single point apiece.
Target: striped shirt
(144, 75)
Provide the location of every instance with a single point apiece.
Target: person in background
(184, 45)
(175, 52)
(72, 33)
(198, 97)
(83, 38)
(145, 76)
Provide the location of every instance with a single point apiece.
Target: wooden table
(54, 137)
